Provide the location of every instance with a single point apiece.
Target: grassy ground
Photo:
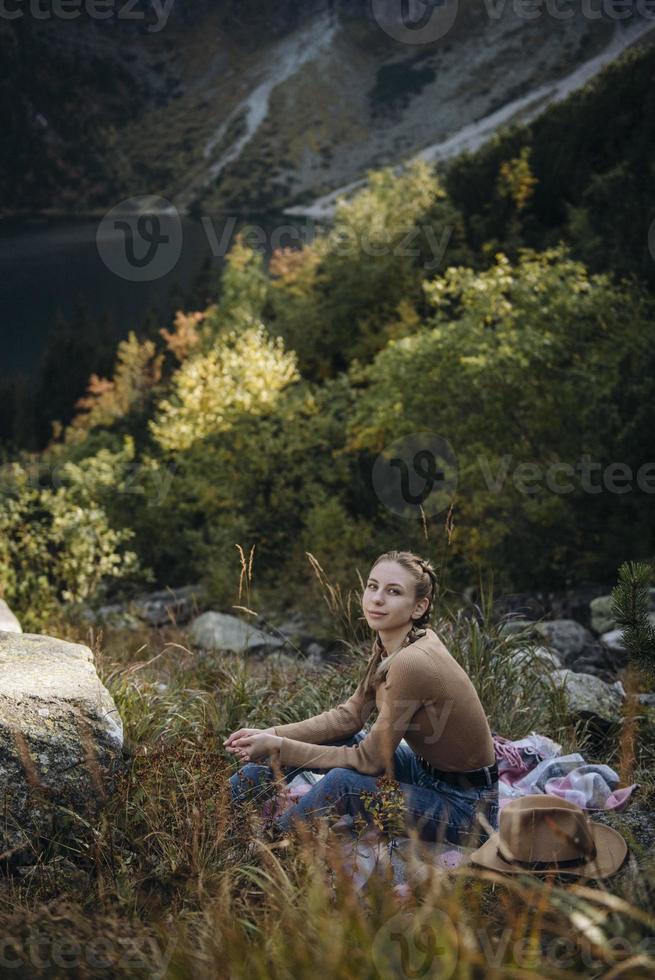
(172, 882)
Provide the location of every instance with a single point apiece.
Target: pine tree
(630, 605)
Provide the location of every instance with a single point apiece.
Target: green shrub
(57, 545)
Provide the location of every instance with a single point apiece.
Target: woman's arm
(411, 682)
(340, 722)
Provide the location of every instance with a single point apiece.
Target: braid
(427, 569)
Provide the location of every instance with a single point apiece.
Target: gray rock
(566, 637)
(637, 825)
(282, 660)
(219, 631)
(156, 609)
(598, 659)
(527, 656)
(53, 877)
(114, 615)
(292, 625)
(168, 605)
(613, 639)
(61, 737)
(315, 652)
(572, 603)
(510, 627)
(590, 697)
(602, 618)
(8, 621)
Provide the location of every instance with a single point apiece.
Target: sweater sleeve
(340, 722)
(402, 695)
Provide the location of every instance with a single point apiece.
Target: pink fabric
(451, 859)
(573, 789)
(508, 753)
(535, 765)
(286, 798)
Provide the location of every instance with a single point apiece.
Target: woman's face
(388, 601)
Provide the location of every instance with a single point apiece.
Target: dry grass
(173, 881)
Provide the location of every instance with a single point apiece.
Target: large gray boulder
(220, 631)
(566, 637)
(8, 621)
(61, 738)
(591, 698)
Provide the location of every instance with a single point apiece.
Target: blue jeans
(439, 811)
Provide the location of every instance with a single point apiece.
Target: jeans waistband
(486, 776)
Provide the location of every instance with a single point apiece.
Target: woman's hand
(246, 731)
(253, 745)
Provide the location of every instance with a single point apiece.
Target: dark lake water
(51, 266)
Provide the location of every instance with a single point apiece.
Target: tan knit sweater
(427, 698)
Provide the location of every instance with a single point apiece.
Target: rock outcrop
(61, 739)
(8, 621)
(590, 698)
(219, 631)
(525, 657)
(566, 637)
(161, 608)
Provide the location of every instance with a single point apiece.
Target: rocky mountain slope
(240, 106)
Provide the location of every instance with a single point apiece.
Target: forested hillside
(526, 337)
(592, 161)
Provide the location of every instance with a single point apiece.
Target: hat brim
(611, 851)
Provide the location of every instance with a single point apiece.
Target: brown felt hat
(540, 834)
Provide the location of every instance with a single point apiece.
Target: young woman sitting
(431, 733)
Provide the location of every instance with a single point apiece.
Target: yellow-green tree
(243, 373)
